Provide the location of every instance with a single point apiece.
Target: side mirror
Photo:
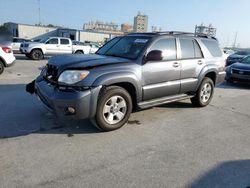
(154, 55)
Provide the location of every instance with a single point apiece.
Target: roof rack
(176, 33)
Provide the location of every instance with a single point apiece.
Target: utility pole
(39, 13)
(235, 39)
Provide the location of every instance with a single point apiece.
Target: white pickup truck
(52, 46)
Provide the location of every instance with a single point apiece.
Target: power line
(39, 13)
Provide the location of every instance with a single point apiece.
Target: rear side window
(168, 48)
(64, 41)
(213, 47)
(190, 49)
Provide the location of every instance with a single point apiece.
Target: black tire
(28, 56)
(201, 99)
(100, 120)
(36, 54)
(79, 52)
(1, 67)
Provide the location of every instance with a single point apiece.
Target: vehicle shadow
(228, 174)
(235, 85)
(178, 104)
(23, 57)
(23, 114)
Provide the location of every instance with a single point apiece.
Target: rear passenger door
(192, 62)
(162, 78)
(65, 46)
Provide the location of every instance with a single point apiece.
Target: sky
(228, 16)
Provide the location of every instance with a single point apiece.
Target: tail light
(7, 50)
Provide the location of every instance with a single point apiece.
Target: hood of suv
(242, 66)
(84, 61)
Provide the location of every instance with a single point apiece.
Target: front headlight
(72, 76)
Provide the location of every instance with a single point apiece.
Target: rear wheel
(204, 94)
(79, 52)
(113, 109)
(1, 67)
(36, 54)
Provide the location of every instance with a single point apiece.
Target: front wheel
(36, 54)
(204, 94)
(113, 109)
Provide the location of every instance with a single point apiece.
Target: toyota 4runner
(136, 71)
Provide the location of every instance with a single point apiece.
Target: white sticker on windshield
(141, 40)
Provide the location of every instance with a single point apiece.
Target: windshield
(242, 53)
(246, 60)
(43, 40)
(127, 47)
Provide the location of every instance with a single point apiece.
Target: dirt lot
(173, 145)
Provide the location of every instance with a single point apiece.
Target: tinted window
(108, 45)
(168, 48)
(246, 60)
(242, 53)
(213, 47)
(197, 50)
(127, 47)
(52, 41)
(64, 41)
(187, 48)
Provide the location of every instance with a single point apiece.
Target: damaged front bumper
(66, 104)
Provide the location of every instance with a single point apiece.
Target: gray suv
(136, 71)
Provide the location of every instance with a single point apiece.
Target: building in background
(100, 26)
(36, 32)
(201, 29)
(126, 28)
(30, 31)
(140, 23)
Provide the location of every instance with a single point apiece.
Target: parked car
(138, 70)
(6, 56)
(227, 53)
(16, 43)
(92, 47)
(236, 57)
(239, 71)
(51, 46)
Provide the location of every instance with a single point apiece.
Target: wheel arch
(210, 72)
(128, 81)
(3, 61)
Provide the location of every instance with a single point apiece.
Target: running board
(163, 100)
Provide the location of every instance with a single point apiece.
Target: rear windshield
(213, 47)
(242, 53)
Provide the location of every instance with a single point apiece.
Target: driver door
(52, 46)
(162, 78)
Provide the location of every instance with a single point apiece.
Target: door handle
(176, 64)
(199, 62)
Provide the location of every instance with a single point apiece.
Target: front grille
(240, 71)
(51, 73)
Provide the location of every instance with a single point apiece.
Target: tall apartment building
(140, 23)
